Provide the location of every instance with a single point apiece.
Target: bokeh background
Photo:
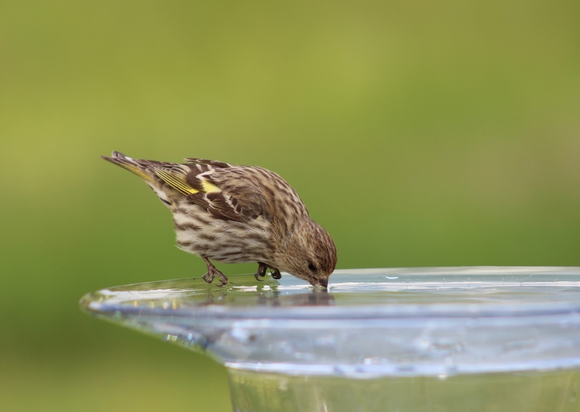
(418, 133)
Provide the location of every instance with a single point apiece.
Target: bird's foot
(276, 274)
(212, 271)
(262, 267)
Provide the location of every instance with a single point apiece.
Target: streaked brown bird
(237, 214)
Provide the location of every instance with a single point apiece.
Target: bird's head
(310, 254)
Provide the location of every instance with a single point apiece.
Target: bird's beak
(323, 283)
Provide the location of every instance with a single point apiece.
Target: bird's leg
(262, 267)
(212, 271)
(276, 273)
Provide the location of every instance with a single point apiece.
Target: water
(446, 339)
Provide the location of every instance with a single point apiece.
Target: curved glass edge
(350, 371)
(290, 328)
(356, 293)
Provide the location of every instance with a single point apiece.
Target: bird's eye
(311, 266)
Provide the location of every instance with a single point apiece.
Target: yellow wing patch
(175, 181)
(209, 187)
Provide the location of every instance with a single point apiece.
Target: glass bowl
(401, 339)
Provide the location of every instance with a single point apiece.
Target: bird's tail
(128, 163)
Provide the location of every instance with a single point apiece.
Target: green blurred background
(418, 133)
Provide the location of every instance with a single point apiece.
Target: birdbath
(425, 339)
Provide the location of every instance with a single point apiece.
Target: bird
(237, 214)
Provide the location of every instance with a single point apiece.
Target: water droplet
(242, 335)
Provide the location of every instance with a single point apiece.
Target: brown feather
(214, 163)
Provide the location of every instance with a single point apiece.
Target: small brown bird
(237, 214)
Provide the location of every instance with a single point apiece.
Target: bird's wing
(217, 187)
(240, 193)
(254, 191)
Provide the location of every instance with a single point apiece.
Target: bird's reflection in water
(261, 294)
(315, 297)
(243, 292)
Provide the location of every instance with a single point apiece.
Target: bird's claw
(223, 278)
(276, 274)
(208, 277)
(211, 272)
(261, 272)
(262, 267)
